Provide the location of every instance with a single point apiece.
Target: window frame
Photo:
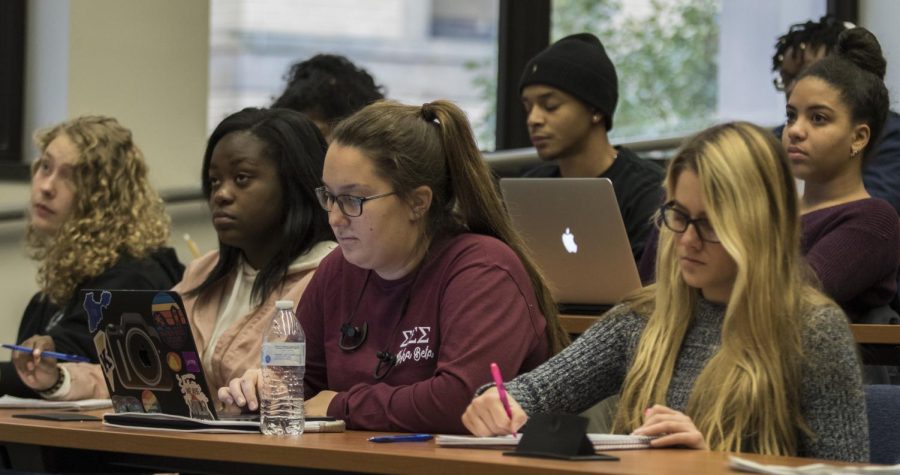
(523, 31)
(12, 89)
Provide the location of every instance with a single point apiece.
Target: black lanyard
(386, 359)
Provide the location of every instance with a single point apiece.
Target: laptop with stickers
(147, 352)
(152, 367)
(575, 232)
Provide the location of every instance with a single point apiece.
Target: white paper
(749, 466)
(600, 441)
(12, 402)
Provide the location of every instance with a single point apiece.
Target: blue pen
(50, 354)
(401, 438)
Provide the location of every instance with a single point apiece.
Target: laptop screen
(575, 232)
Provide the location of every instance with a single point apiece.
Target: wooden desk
(350, 451)
(864, 334)
(876, 334)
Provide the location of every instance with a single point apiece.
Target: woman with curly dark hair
(328, 88)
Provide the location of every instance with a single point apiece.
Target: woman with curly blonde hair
(94, 222)
(733, 349)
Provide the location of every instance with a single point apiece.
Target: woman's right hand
(36, 372)
(486, 416)
(241, 393)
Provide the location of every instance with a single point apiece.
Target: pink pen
(501, 390)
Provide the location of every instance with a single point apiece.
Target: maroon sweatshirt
(470, 303)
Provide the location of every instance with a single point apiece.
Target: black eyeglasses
(351, 206)
(678, 221)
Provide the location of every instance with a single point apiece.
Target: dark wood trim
(524, 31)
(846, 10)
(12, 79)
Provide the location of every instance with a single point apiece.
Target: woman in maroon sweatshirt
(429, 286)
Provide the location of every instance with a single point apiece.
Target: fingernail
(241, 401)
(647, 411)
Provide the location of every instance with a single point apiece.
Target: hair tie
(428, 113)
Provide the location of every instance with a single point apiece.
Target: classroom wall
(144, 62)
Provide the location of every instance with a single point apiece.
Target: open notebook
(600, 441)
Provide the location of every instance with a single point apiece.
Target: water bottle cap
(284, 304)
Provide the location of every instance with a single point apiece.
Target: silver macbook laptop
(576, 234)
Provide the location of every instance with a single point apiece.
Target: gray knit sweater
(594, 367)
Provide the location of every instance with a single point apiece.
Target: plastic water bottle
(283, 364)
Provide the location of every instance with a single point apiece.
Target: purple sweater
(854, 248)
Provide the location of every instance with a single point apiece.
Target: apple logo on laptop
(568, 240)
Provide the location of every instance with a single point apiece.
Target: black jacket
(637, 184)
(68, 327)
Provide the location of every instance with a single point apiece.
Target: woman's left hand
(318, 405)
(37, 372)
(672, 427)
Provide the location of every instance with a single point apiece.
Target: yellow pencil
(195, 251)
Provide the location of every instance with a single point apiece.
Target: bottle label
(283, 354)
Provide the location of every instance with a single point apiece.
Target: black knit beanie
(578, 65)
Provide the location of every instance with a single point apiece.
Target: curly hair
(329, 87)
(115, 211)
(811, 34)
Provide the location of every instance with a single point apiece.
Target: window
(417, 50)
(686, 64)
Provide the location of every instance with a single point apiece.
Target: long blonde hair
(746, 397)
(433, 145)
(116, 210)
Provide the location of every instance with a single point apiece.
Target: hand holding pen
(39, 371)
(494, 412)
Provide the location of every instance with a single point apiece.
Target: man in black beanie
(570, 91)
